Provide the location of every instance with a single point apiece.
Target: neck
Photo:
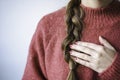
(96, 3)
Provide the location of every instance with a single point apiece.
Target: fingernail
(76, 58)
(76, 42)
(71, 46)
(100, 37)
(70, 52)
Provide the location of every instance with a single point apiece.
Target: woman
(90, 43)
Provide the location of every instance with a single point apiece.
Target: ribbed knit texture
(46, 60)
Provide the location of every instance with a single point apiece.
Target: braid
(74, 15)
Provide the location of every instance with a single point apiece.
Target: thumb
(106, 43)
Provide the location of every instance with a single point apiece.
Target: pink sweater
(46, 61)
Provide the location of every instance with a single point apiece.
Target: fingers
(81, 55)
(85, 60)
(84, 49)
(91, 48)
(96, 57)
(89, 65)
(90, 45)
(106, 43)
(84, 63)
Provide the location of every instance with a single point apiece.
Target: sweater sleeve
(35, 67)
(113, 72)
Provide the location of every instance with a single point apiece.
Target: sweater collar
(98, 11)
(109, 13)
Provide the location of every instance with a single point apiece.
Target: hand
(96, 57)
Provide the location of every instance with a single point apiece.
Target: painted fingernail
(71, 46)
(76, 58)
(76, 42)
(71, 52)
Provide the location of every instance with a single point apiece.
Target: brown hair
(74, 22)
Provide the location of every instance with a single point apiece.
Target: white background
(18, 20)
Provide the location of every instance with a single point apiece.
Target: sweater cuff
(113, 71)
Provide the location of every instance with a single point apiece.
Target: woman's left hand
(96, 57)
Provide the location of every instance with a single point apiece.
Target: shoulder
(52, 25)
(52, 19)
(54, 16)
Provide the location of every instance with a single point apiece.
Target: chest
(110, 31)
(54, 60)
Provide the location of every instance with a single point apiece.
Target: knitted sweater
(46, 60)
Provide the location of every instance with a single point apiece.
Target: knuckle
(99, 55)
(101, 48)
(97, 61)
(85, 57)
(84, 48)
